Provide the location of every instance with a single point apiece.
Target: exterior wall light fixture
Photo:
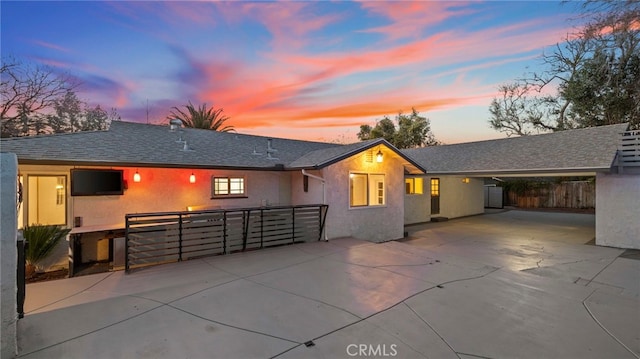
(465, 180)
(379, 156)
(192, 178)
(136, 177)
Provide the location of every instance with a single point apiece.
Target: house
(372, 189)
(168, 169)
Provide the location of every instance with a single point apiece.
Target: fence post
(246, 215)
(20, 272)
(261, 227)
(179, 237)
(293, 224)
(126, 244)
(224, 232)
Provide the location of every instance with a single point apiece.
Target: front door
(435, 195)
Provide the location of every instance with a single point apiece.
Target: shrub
(41, 240)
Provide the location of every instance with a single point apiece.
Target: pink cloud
(408, 19)
(51, 46)
(288, 22)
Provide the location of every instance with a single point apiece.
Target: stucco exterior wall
(458, 199)
(314, 193)
(8, 253)
(417, 207)
(618, 210)
(376, 224)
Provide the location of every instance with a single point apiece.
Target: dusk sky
(306, 70)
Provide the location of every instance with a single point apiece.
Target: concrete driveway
(512, 284)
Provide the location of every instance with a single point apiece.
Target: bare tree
(26, 90)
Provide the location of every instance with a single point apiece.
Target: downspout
(324, 195)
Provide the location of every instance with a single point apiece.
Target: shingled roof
(585, 150)
(142, 145)
(135, 144)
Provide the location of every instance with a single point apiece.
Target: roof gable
(325, 157)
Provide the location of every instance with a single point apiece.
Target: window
(228, 187)
(413, 185)
(366, 190)
(435, 187)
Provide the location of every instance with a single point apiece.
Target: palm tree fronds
(202, 117)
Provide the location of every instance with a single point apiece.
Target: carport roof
(581, 151)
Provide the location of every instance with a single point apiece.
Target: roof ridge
(202, 130)
(592, 128)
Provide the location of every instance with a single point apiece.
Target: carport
(611, 154)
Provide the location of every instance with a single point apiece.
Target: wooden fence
(574, 194)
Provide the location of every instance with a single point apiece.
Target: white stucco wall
(458, 199)
(417, 207)
(618, 210)
(314, 193)
(8, 254)
(376, 224)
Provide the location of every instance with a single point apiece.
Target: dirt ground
(53, 275)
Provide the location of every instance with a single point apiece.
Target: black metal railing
(20, 276)
(156, 238)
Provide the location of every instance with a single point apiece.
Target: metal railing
(629, 150)
(156, 238)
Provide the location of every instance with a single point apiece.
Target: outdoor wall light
(465, 180)
(136, 177)
(379, 156)
(192, 178)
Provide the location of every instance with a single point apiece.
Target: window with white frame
(228, 187)
(366, 189)
(413, 185)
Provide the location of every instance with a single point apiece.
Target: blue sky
(308, 70)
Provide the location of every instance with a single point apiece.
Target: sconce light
(192, 178)
(136, 177)
(465, 180)
(379, 156)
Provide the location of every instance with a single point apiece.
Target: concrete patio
(504, 285)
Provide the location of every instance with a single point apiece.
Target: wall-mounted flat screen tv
(96, 182)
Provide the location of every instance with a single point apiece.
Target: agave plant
(41, 240)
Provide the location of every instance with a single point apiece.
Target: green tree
(594, 77)
(201, 117)
(412, 130)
